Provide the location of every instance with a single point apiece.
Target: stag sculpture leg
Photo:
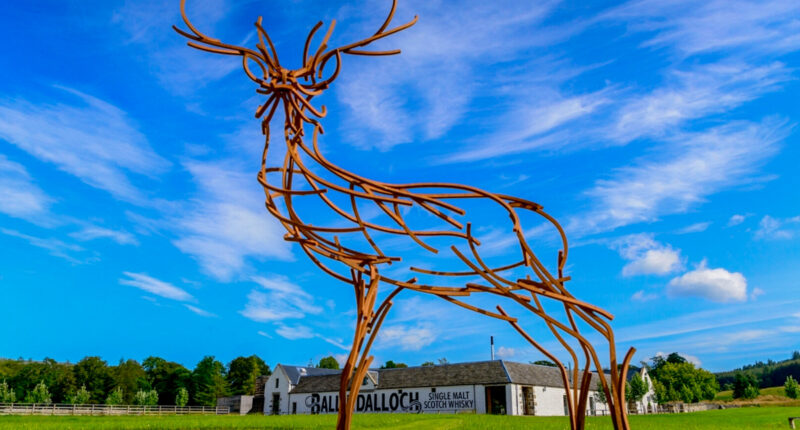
(368, 323)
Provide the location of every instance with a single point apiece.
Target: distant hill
(769, 374)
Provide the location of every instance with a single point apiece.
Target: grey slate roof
(296, 372)
(481, 372)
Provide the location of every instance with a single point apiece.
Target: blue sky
(661, 134)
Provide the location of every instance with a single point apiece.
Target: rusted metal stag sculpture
(350, 246)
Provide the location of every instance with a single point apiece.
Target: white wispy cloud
(711, 320)
(778, 228)
(155, 286)
(647, 256)
(642, 296)
(265, 334)
(736, 220)
(690, 28)
(179, 69)
(718, 285)
(92, 232)
(506, 352)
(423, 93)
(283, 300)
(55, 247)
(226, 223)
(295, 332)
(695, 228)
(697, 93)
(695, 166)
(20, 197)
(406, 337)
(529, 126)
(87, 137)
(198, 311)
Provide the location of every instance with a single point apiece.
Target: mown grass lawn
(741, 418)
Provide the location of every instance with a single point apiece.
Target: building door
(592, 406)
(496, 400)
(528, 402)
(276, 403)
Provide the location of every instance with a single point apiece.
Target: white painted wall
(641, 407)
(463, 398)
(280, 379)
(549, 401)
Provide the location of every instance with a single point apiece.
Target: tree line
(762, 374)
(154, 381)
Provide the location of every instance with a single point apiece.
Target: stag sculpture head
(292, 89)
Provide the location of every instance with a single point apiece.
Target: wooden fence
(65, 409)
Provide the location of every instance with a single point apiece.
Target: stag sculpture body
(349, 251)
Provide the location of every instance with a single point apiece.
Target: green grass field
(741, 418)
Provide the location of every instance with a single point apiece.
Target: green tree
(244, 371)
(328, 363)
(116, 397)
(94, 374)
(7, 395)
(131, 377)
(600, 394)
(166, 377)
(56, 376)
(790, 387)
(40, 394)
(427, 363)
(741, 382)
(209, 382)
(683, 382)
(146, 398)
(547, 363)
(182, 398)
(81, 397)
(392, 365)
(635, 389)
(751, 392)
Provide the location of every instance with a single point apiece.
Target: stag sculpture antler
(335, 248)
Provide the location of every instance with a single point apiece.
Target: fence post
(91, 413)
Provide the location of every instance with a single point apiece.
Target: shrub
(7, 394)
(146, 398)
(182, 398)
(81, 397)
(39, 394)
(791, 388)
(115, 397)
(751, 392)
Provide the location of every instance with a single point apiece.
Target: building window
(276, 382)
(294, 407)
(433, 390)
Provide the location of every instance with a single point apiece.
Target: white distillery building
(496, 387)
(648, 404)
